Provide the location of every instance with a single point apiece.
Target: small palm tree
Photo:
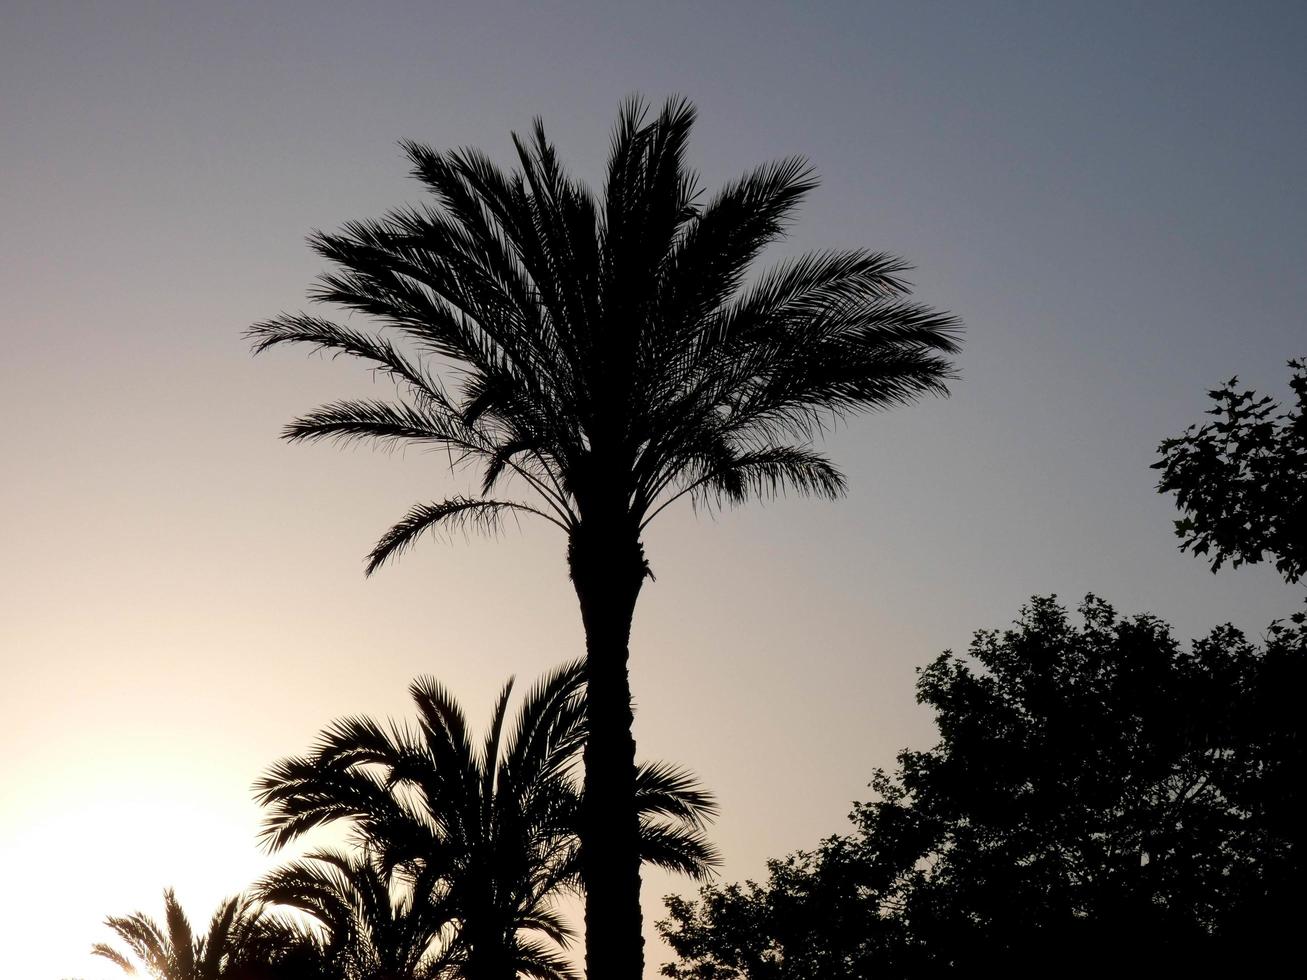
(476, 840)
(377, 927)
(611, 359)
(174, 952)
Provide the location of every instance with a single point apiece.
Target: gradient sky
(1111, 195)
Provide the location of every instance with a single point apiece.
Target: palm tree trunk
(607, 567)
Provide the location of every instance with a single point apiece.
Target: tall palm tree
(607, 354)
(174, 952)
(481, 838)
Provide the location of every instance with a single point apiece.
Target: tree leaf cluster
(1101, 797)
(1241, 480)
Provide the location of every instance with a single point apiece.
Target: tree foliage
(1241, 480)
(1099, 796)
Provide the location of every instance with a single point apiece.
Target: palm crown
(610, 354)
(173, 951)
(375, 927)
(480, 838)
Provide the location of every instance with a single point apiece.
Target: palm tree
(608, 355)
(174, 952)
(374, 929)
(480, 838)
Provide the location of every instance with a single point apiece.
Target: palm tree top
(460, 844)
(411, 792)
(611, 353)
(172, 951)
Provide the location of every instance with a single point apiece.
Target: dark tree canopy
(1241, 480)
(1100, 796)
(818, 915)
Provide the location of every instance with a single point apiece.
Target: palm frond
(457, 513)
(215, 940)
(111, 954)
(719, 244)
(180, 938)
(319, 334)
(665, 790)
(488, 760)
(301, 794)
(144, 938)
(535, 959)
(680, 850)
(385, 422)
(550, 726)
(547, 921)
(723, 476)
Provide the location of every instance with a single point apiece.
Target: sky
(1109, 195)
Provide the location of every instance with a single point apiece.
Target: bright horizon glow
(146, 839)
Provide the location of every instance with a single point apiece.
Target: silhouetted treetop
(1101, 798)
(1241, 480)
(610, 345)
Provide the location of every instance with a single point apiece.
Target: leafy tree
(473, 841)
(606, 354)
(1241, 481)
(820, 914)
(1100, 799)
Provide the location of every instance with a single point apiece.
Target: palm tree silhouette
(609, 356)
(480, 838)
(174, 952)
(379, 925)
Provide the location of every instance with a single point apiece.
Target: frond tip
(456, 513)
(111, 954)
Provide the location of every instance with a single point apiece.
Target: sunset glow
(1110, 196)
